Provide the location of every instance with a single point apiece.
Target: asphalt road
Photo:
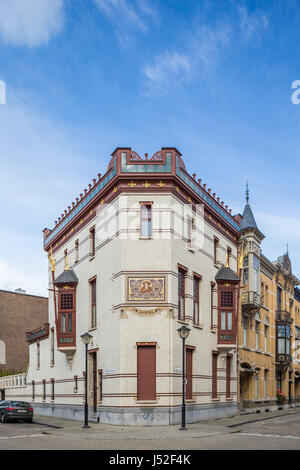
(281, 433)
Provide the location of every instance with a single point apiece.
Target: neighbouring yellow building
(268, 326)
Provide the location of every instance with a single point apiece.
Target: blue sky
(82, 77)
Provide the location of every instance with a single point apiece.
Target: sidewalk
(209, 428)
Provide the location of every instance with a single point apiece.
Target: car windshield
(22, 404)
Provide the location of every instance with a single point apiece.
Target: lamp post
(183, 333)
(86, 338)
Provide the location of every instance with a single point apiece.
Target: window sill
(200, 326)
(93, 328)
(193, 400)
(146, 402)
(145, 238)
(213, 331)
(183, 322)
(215, 399)
(92, 258)
(229, 399)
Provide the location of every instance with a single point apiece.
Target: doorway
(92, 382)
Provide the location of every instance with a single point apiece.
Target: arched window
(2, 352)
(266, 330)
(266, 297)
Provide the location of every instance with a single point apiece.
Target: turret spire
(247, 193)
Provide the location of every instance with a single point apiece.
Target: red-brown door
(189, 373)
(146, 372)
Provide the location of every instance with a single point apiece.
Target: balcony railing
(13, 381)
(250, 299)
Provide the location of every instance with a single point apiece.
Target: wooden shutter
(146, 372)
(189, 373)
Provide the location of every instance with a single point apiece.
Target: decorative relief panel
(146, 288)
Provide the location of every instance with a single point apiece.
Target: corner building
(146, 249)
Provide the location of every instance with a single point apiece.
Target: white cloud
(251, 25)
(168, 68)
(127, 16)
(174, 67)
(30, 23)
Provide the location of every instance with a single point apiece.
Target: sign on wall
(146, 288)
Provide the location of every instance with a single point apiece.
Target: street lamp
(86, 338)
(183, 333)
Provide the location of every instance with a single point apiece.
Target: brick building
(19, 313)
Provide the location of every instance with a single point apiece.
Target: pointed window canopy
(68, 276)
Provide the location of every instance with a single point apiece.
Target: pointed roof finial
(247, 193)
(287, 248)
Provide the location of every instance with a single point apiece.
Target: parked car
(15, 410)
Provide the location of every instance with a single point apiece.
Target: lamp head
(183, 332)
(86, 338)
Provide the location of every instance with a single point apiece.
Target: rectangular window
(52, 390)
(189, 373)
(66, 302)
(146, 372)
(181, 293)
(256, 385)
(229, 252)
(226, 321)
(70, 324)
(212, 286)
(214, 375)
(244, 322)
(52, 346)
(44, 390)
(196, 308)
(63, 323)
(266, 384)
(33, 390)
(228, 375)
(245, 275)
(92, 241)
(256, 335)
(38, 353)
(100, 385)
(266, 338)
(146, 220)
(279, 301)
(76, 251)
(216, 244)
(93, 304)
(75, 383)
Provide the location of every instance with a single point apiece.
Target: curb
(261, 419)
(49, 425)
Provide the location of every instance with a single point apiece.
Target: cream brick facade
(121, 252)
